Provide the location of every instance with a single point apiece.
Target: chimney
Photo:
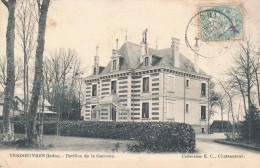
(142, 53)
(196, 57)
(176, 52)
(144, 48)
(96, 63)
(96, 58)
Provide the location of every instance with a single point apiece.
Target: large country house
(142, 84)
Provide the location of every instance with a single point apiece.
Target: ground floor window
(93, 114)
(145, 110)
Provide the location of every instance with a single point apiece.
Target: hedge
(152, 136)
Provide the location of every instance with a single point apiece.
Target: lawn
(66, 143)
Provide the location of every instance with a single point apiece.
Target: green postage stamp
(221, 23)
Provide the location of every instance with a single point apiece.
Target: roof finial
(145, 39)
(97, 50)
(116, 44)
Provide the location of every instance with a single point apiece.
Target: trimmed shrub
(152, 136)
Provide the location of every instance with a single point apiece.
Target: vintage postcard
(128, 83)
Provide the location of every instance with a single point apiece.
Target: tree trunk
(248, 76)
(32, 135)
(222, 126)
(10, 79)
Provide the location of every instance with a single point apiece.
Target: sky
(84, 24)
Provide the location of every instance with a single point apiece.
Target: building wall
(167, 97)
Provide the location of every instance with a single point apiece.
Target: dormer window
(114, 64)
(146, 61)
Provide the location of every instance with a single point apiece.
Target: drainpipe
(133, 79)
(208, 107)
(184, 98)
(163, 97)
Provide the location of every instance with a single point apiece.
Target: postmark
(215, 29)
(221, 22)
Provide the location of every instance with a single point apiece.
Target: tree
(10, 72)
(252, 118)
(221, 103)
(244, 76)
(26, 23)
(214, 97)
(43, 7)
(63, 75)
(3, 73)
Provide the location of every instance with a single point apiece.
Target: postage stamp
(220, 23)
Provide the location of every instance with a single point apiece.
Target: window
(114, 64)
(146, 61)
(203, 113)
(187, 83)
(94, 90)
(94, 71)
(113, 87)
(202, 130)
(146, 84)
(203, 89)
(93, 114)
(187, 108)
(145, 110)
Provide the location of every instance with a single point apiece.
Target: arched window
(146, 61)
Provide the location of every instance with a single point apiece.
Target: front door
(113, 113)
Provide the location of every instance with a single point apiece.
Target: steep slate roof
(131, 59)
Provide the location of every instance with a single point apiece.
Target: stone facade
(143, 84)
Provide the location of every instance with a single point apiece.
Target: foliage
(63, 83)
(214, 98)
(152, 136)
(255, 125)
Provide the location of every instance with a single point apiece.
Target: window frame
(113, 81)
(146, 61)
(92, 93)
(203, 92)
(114, 62)
(146, 84)
(187, 107)
(92, 107)
(187, 83)
(203, 117)
(147, 110)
